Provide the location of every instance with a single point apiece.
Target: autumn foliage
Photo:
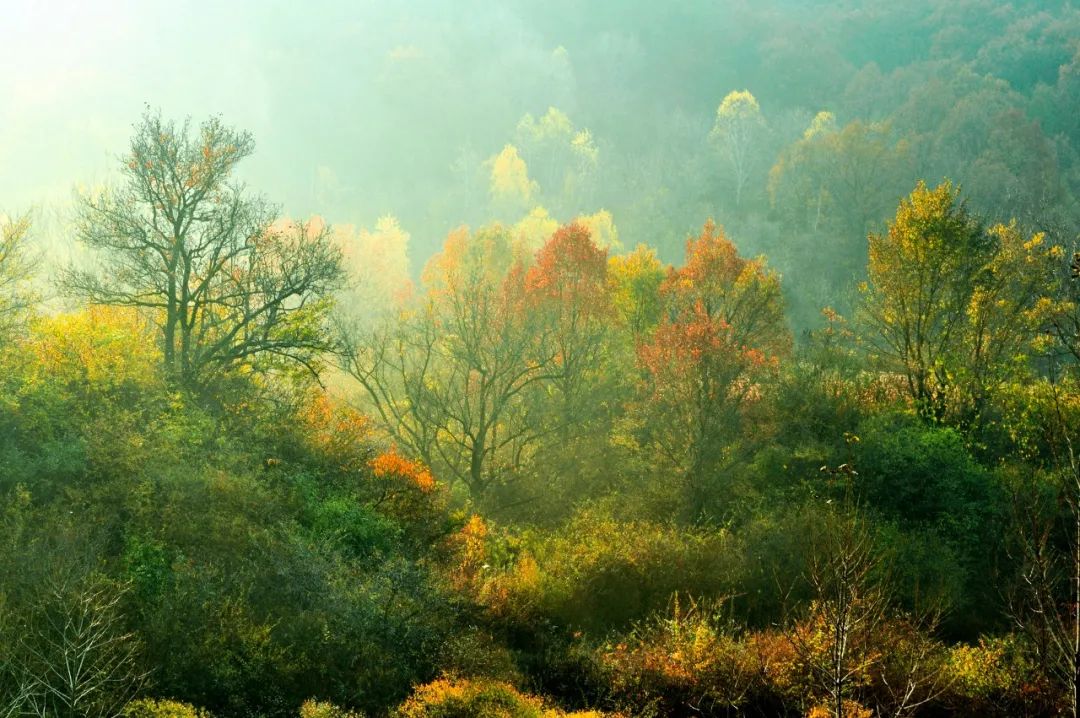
(722, 331)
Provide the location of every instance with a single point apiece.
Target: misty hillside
(525, 360)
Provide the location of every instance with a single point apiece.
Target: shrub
(686, 658)
(162, 708)
(597, 574)
(851, 710)
(478, 698)
(319, 709)
(998, 677)
(474, 652)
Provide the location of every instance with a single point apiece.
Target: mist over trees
(563, 359)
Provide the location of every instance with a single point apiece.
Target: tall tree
(492, 357)
(562, 158)
(1065, 318)
(845, 177)
(950, 306)
(635, 290)
(836, 642)
(182, 239)
(377, 265)
(450, 378)
(723, 324)
(512, 190)
(736, 132)
(567, 288)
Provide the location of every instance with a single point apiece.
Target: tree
(493, 356)
(836, 642)
(636, 278)
(722, 325)
(844, 177)
(1065, 315)
(562, 158)
(567, 289)
(15, 261)
(511, 189)
(377, 266)
(950, 306)
(179, 238)
(735, 132)
(1048, 607)
(451, 377)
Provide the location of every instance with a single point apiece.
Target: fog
(367, 109)
(563, 359)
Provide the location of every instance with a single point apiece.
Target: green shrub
(162, 708)
(479, 698)
(598, 574)
(320, 709)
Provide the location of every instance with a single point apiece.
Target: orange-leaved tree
(722, 330)
(567, 290)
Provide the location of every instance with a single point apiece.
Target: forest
(716, 359)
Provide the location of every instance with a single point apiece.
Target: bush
(684, 658)
(597, 574)
(479, 698)
(922, 475)
(998, 677)
(318, 709)
(155, 708)
(926, 480)
(851, 709)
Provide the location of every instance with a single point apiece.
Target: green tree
(635, 289)
(842, 178)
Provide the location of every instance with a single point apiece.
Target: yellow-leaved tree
(511, 189)
(951, 307)
(738, 129)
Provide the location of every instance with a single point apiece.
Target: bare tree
(181, 239)
(452, 383)
(835, 642)
(853, 640)
(912, 670)
(453, 378)
(15, 269)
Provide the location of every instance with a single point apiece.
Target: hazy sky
(354, 105)
(362, 108)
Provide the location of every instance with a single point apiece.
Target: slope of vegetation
(256, 466)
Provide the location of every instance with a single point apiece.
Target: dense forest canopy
(540, 359)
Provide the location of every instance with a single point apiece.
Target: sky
(358, 108)
(364, 108)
